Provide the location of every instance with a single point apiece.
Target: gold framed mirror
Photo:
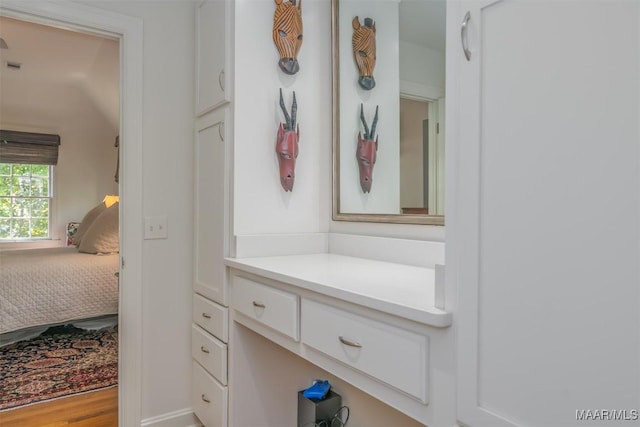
(407, 180)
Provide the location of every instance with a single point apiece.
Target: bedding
(55, 285)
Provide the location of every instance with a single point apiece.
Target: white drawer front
(210, 352)
(211, 316)
(209, 398)
(396, 356)
(273, 307)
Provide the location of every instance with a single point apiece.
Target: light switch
(155, 227)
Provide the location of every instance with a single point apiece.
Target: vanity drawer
(395, 356)
(273, 307)
(209, 352)
(209, 398)
(211, 316)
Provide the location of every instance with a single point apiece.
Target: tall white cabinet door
(543, 211)
(211, 204)
(212, 55)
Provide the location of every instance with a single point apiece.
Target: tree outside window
(25, 200)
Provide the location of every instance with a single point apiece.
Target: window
(25, 200)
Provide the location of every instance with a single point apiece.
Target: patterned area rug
(62, 361)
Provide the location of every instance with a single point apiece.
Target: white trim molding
(128, 30)
(419, 91)
(181, 418)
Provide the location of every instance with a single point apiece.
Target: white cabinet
(210, 331)
(210, 398)
(272, 307)
(395, 356)
(542, 215)
(212, 317)
(334, 312)
(211, 204)
(212, 55)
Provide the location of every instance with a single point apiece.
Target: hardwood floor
(94, 409)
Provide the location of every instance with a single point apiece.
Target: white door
(211, 203)
(212, 53)
(543, 222)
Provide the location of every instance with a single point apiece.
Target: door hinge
(122, 262)
(438, 128)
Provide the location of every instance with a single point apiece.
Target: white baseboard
(181, 418)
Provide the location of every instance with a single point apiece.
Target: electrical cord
(339, 419)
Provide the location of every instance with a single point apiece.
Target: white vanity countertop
(402, 290)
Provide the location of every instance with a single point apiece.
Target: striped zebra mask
(287, 33)
(366, 152)
(287, 144)
(364, 51)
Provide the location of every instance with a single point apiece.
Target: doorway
(127, 31)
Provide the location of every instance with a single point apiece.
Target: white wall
(168, 110)
(422, 67)
(260, 203)
(384, 196)
(87, 156)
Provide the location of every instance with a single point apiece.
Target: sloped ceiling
(53, 56)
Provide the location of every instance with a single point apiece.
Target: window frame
(51, 208)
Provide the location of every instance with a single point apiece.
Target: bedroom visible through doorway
(67, 83)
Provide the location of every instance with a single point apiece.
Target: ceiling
(423, 22)
(49, 55)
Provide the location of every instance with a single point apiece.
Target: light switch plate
(155, 227)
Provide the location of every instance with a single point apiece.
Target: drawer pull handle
(350, 343)
(258, 304)
(206, 315)
(204, 349)
(204, 398)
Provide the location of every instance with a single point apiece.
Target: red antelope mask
(287, 144)
(287, 33)
(364, 51)
(366, 152)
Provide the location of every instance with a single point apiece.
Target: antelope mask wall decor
(287, 144)
(287, 33)
(364, 51)
(366, 152)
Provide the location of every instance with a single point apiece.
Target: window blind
(28, 147)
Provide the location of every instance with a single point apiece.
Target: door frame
(128, 30)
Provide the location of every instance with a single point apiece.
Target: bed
(75, 285)
(52, 286)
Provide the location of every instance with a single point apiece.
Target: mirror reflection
(401, 115)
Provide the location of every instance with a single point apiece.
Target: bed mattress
(55, 285)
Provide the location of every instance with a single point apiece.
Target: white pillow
(102, 236)
(87, 221)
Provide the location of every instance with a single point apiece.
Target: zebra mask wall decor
(366, 152)
(287, 33)
(287, 144)
(364, 51)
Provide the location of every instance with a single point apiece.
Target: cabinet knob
(258, 304)
(204, 398)
(206, 315)
(204, 349)
(349, 342)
